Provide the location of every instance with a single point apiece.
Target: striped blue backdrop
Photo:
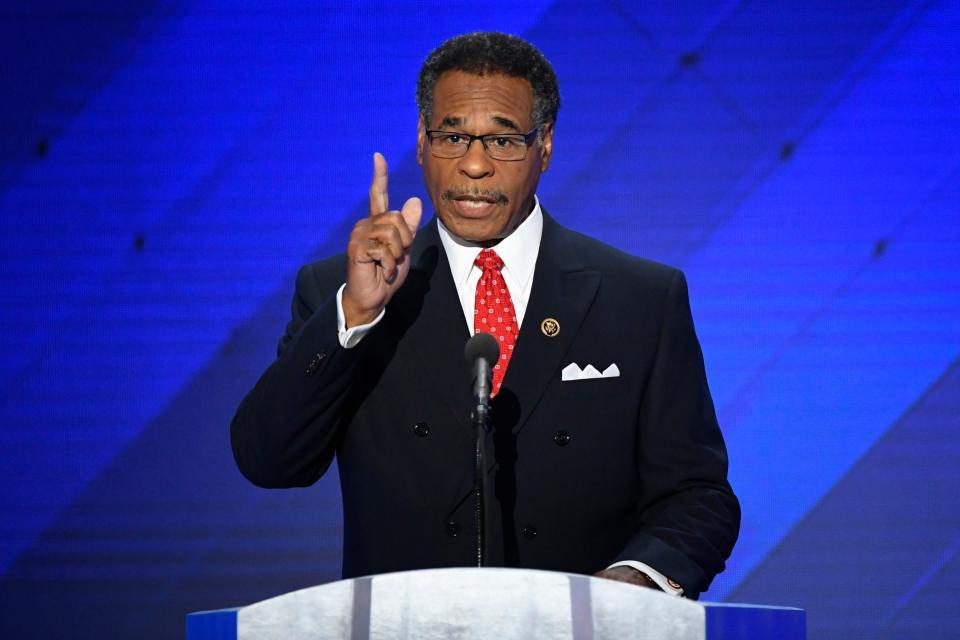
(166, 166)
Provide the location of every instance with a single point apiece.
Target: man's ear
(546, 146)
(421, 139)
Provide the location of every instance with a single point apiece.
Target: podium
(471, 603)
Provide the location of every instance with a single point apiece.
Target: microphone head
(482, 345)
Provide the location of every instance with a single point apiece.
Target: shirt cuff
(349, 338)
(662, 581)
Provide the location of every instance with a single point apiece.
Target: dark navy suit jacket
(583, 473)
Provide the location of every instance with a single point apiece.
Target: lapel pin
(550, 327)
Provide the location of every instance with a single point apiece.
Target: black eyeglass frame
(528, 139)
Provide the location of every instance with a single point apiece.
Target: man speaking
(605, 456)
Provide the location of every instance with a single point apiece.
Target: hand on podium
(628, 575)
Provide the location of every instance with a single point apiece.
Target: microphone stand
(481, 352)
(480, 417)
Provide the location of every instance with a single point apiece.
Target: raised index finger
(379, 201)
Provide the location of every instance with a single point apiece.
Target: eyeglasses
(499, 146)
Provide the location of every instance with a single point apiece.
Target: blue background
(166, 166)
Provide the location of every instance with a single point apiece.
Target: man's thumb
(412, 211)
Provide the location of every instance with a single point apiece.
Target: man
(620, 472)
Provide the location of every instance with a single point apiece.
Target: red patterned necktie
(493, 312)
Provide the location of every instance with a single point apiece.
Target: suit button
(561, 438)
(453, 529)
(529, 532)
(422, 429)
(315, 363)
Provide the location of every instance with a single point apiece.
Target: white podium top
(472, 603)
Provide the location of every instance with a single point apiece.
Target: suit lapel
(428, 304)
(562, 290)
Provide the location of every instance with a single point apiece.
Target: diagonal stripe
(881, 535)
(922, 581)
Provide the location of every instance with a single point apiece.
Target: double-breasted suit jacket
(584, 473)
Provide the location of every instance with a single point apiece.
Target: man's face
(479, 198)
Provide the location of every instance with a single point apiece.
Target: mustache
(494, 195)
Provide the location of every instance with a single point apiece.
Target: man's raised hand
(377, 253)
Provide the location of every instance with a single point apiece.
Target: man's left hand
(629, 575)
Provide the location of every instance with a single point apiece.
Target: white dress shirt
(519, 253)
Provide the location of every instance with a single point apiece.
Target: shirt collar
(518, 250)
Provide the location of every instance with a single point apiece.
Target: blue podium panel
(213, 625)
(491, 603)
(730, 621)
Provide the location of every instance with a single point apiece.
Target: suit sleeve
(689, 517)
(287, 428)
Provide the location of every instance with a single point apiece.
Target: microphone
(481, 352)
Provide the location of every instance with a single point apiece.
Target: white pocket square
(573, 372)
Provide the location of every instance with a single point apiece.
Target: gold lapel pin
(550, 327)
